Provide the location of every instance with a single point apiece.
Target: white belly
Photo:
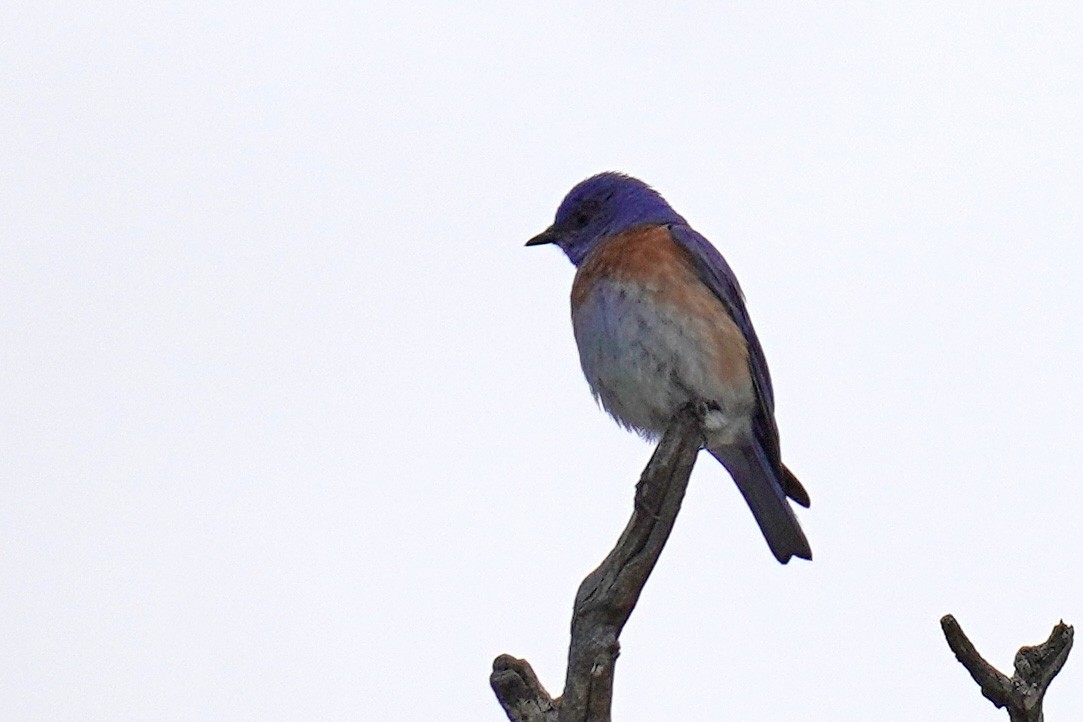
(644, 360)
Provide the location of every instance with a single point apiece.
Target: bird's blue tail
(762, 488)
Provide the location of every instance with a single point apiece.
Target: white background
(293, 426)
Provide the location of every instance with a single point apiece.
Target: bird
(660, 322)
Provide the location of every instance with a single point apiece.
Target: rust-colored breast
(648, 257)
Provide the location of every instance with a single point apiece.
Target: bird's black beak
(546, 236)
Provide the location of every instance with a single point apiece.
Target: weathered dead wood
(1035, 668)
(519, 691)
(608, 595)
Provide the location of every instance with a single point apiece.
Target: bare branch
(996, 687)
(1035, 668)
(519, 691)
(608, 595)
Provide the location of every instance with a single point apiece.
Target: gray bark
(608, 595)
(1035, 668)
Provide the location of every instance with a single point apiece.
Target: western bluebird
(660, 322)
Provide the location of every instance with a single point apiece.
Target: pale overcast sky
(294, 426)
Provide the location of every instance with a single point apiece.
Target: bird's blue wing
(716, 274)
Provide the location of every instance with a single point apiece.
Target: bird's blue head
(602, 206)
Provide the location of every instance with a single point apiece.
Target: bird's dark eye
(585, 213)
